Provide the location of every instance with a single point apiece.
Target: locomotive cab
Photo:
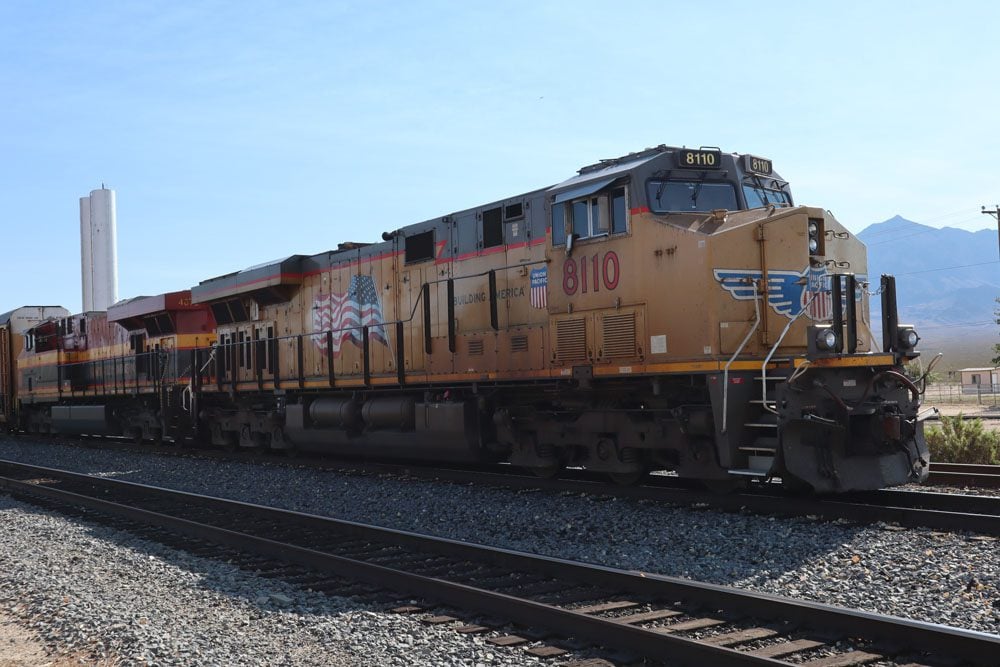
(716, 282)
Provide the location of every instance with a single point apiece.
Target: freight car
(668, 309)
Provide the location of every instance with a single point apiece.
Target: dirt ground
(989, 414)
(967, 409)
(20, 647)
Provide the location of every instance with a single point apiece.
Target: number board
(757, 165)
(689, 158)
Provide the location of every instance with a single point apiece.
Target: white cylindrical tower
(86, 255)
(99, 249)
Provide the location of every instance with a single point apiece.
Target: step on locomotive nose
(760, 457)
(762, 450)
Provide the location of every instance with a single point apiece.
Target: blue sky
(235, 133)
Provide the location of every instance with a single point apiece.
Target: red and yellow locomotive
(669, 309)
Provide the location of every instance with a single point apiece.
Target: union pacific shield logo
(788, 292)
(817, 296)
(539, 285)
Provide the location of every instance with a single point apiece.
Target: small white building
(980, 380)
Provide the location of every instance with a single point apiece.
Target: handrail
(725, 372)
(767, 359)
(189, 389)
(487, 272)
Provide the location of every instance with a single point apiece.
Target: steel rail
(913, 509)
(965, 474)
(914, 635)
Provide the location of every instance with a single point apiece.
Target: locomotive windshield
(682, 196)
(758, 196)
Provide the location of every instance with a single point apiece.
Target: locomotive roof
(282, 272)
(144, 305)
(632, 159)
(281, 275)
(5, 318)
(591, 179)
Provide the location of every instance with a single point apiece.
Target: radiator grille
(476, 347)
(519, 344)
(619, 335)
(572, 340)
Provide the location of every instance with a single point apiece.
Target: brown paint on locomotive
(619, 320)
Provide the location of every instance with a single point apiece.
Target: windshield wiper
(758, 187)
(694, 195)
(697, 189)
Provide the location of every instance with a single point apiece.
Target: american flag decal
(817, 295)
(345, 314)
(539, 286)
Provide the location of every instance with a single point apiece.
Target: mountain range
(947, 283)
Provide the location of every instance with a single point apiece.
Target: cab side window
(619, 211)
(601, 214)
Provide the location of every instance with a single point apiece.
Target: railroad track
(913, 509)
(965, 474)
(652, 616)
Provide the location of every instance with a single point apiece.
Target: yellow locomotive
(668, 309)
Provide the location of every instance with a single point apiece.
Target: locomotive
(670, 309)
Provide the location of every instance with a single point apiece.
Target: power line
(981, 323)
(948, 268)
(893, 240)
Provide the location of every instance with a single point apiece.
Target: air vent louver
(572, 340)
(618, 334)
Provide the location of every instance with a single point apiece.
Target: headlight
(815, 229)
(826, 339)
(906, 337)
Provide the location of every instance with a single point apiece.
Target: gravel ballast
(950, 578)
(95, 591)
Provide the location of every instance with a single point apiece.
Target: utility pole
(995, 214)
